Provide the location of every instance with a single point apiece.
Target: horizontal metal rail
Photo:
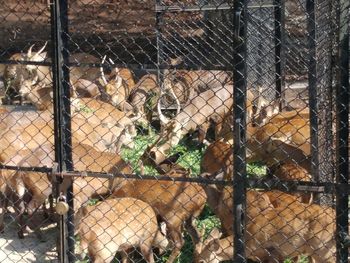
(266, 183)
(21, 62)
(43, 169)
(197, 8)
(146, 67)
(198, 180)
(252, 182)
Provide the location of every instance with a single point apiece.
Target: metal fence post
(62, 118)
(160, 46)
(342, 147)
(279, 9)
(312, 70)
(320, 92)
(239, 151)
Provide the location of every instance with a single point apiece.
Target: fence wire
(174, 131)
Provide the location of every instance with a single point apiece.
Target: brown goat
(85, 158)
(288, 230)
(116, 225)
(207, 105)
(215, 157)
(175, 202)
(94, 122)
(25, 78)
(119, 88)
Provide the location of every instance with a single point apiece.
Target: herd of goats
(106, 107)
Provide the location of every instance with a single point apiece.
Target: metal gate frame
(63, 144)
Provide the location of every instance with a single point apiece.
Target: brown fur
(207, 105)
(85, 158)
(215, 157)
(25, 78)
(175, 202)
(94, 123)
(119, 88)
(119, 224)
(289, 229)
(282, 141)
(198, 80)
(145, 87)
(294, 172)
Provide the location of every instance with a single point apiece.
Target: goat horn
(42, 49)
(29, 53)
(178, 105)
(169, 88)
(119, 82)
(259, 106)
(102, 71)
(111, 61)
(117, 75)
(164, 120)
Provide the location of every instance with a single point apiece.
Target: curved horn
(29, 53)
(118, 80)
(117, 75)
(111, 61)
(164, 120)
(169, 88)
(41, 50)
(260, 100)
(178, 105)
(102, 72)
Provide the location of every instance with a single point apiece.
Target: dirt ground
(29, 249)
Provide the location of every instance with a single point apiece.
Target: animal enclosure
(174, 131)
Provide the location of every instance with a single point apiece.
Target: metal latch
(62, 206)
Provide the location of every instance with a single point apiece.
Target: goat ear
(163, 228)
(269, 203)
(35, 79)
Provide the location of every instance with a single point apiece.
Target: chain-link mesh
(123, 138)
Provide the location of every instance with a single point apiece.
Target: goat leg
(192, 231)
(176, 237)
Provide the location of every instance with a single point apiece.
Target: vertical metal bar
(279, 8)
(260, 61)
(312, 74)
(342, 156)
(56, 114)
(240, 90)
(63, 137)
(160, 46)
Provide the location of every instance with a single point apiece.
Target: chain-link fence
(174, 131)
